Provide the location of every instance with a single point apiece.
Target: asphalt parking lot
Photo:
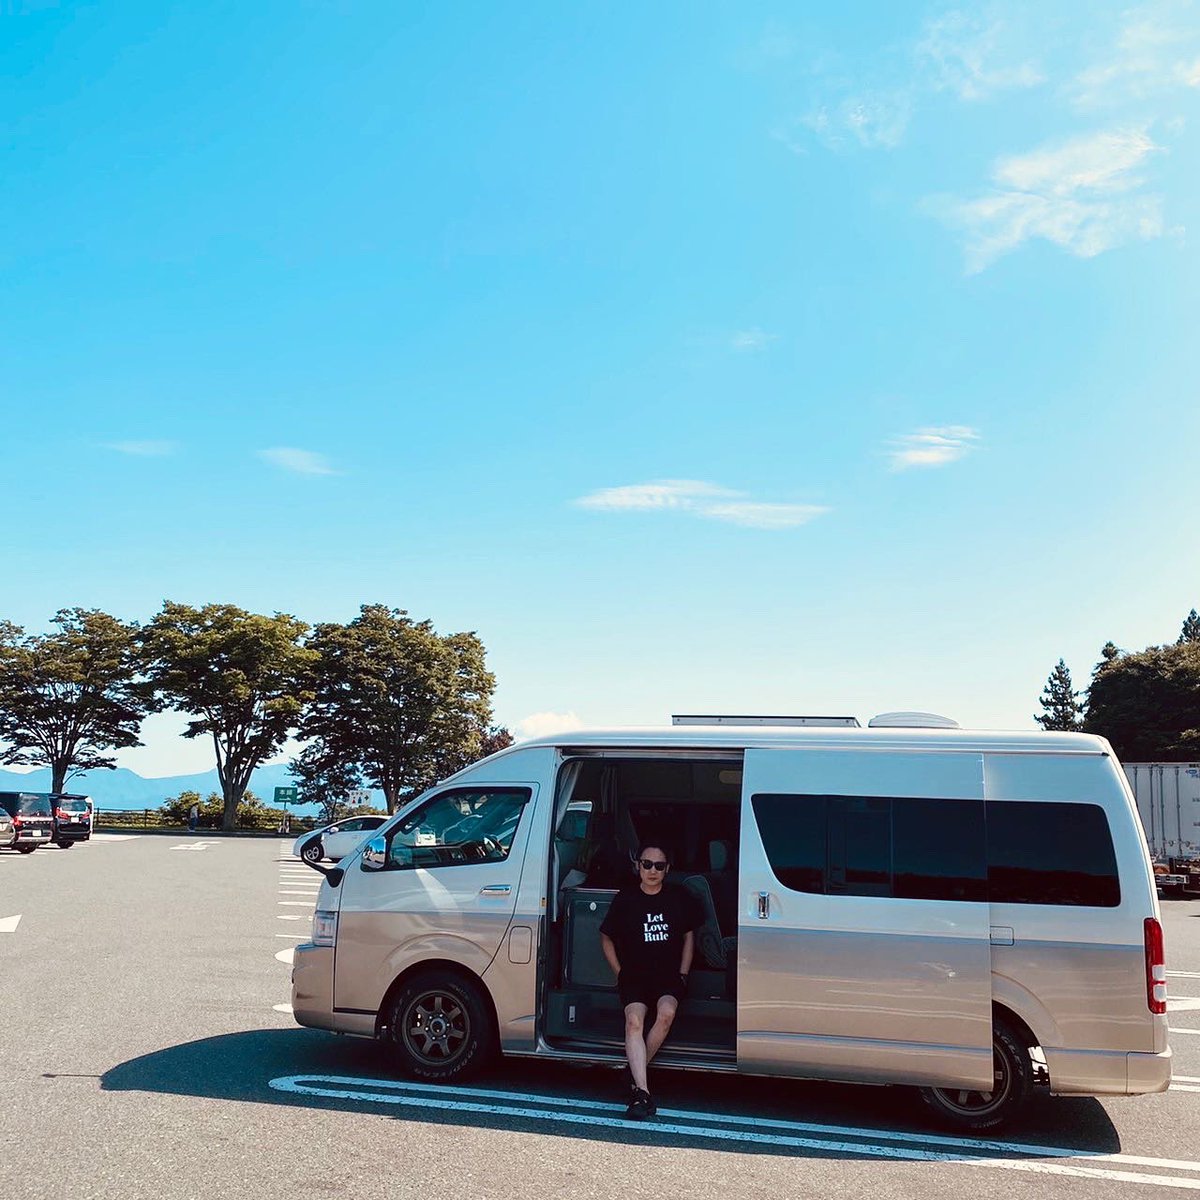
(148, 1051)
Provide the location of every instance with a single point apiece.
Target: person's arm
(610, 953)
(689, 948)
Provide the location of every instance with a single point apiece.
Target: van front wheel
(1012, 1082)
(440, 1027)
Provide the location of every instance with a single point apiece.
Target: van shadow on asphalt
(240, 1066)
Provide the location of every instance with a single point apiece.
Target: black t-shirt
(648, 931)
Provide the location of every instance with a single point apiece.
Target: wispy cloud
(147, 449)
(932, 447)
(745, 340)
(700, 499)
(758, 515)
(647, 497)
(1083, 195)
(543, 724)
(866, 120)
(303, 462)
(1156, 49)
(972, 56)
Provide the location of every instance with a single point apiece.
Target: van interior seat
(716, 951)
(723, 884)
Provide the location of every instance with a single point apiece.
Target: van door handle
(496, 889)
(764, 906)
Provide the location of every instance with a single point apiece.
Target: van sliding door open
(863, 918)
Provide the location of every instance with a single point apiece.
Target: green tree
(1148, 704)
(324, 783)
(395, 700)
(69, 697)
(244, 678)
(1191, 628)
(1060, 702)
(251, 811)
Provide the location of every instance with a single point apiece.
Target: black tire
(25, 849)
(312, 852)
(1013, 1083)
(64, 845)
(440, 1027)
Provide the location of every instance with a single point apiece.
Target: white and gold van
(970, 913)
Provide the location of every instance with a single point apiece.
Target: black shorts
(647, 989)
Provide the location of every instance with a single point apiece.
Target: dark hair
(650, 844)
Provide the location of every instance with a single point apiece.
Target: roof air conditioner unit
(911, 720)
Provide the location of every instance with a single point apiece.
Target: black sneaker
(640, 1106)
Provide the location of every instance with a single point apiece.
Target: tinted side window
(939, 850)
(793, 830)
(1048, 853)
(908, 847)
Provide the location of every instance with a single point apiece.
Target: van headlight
(324, 930)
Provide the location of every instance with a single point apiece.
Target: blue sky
(725, 357)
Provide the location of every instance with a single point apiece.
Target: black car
(33, 818)
(72, 819)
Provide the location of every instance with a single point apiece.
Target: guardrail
(151, 818)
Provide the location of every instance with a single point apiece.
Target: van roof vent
(722, 719)
(911, 720)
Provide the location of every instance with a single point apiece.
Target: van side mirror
(374, 857)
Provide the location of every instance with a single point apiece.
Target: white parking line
(1183, 974)
(283, 1008)
(730, 1129)
(299, 937)
(289, 916)
(297, 903)
(294, 893)
(1192, 1032)
(287, 955)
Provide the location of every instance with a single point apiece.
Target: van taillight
(1156, 967)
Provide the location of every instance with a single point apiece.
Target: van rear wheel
(440, 1027)
(1012, 1083)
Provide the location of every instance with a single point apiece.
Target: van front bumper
(312, 986)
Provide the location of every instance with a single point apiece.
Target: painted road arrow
(9, 924)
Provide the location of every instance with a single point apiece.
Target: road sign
(286, 795)
(358, 796)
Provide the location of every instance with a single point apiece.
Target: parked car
(32, 818)
(8, 831)
(72, 820)
(335, 841)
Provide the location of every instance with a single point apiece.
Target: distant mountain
(121, 789)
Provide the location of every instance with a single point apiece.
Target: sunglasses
(649, 864)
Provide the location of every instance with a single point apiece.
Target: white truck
(1168, 801)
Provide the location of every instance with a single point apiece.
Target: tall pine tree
(1060, 702)
(1191, 629)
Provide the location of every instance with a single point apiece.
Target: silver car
(8, 831)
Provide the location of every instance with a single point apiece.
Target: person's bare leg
(662, 1025)
(635, 1043)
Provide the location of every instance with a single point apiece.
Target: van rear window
(1051, 853)
(921, 849)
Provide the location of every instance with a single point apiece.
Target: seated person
(647, 938)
